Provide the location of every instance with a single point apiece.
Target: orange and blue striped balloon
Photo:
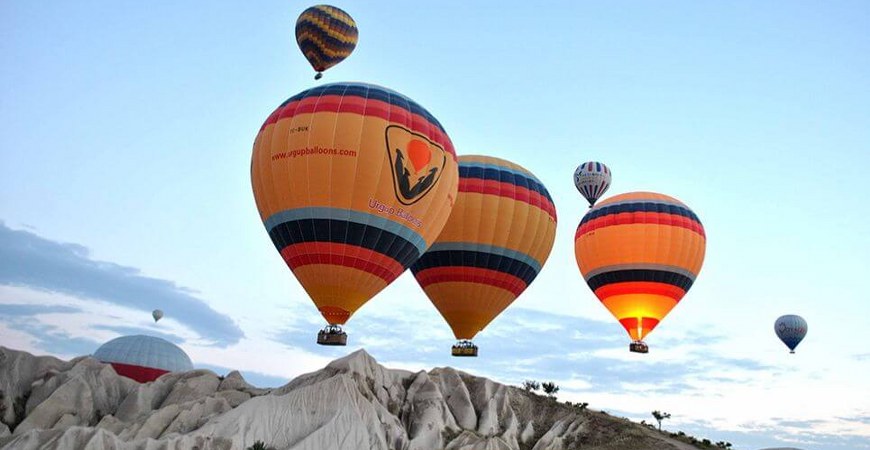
(494, 244)
(353, 183)
(326, 36)
(640, 253)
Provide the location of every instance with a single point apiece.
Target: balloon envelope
(326, 35)
(339, 195)
(640, 253)
(143, 358)
(592, 179)
(157, 314)
(791, 330)
(498, 236)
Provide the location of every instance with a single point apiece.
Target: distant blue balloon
(791, 330)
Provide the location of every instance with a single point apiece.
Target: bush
(659, 416)
(258, 445)
(531, 385)
(550, 388)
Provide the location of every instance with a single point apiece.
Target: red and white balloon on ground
(143, 358)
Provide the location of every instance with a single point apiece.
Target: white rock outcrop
(353, 403)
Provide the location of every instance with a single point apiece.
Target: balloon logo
(640, 253)
(791, 330)
(403, 143)
(418, 152)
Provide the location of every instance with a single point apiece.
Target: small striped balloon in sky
(592, 179)
(326, 36)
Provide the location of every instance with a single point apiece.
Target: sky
(125, 142)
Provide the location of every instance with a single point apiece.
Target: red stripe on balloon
(632, 218)
(640, 287)
(647, 324)
(471, 275)
(378, 264)
(138, 373)
(507, 190)
(364, 107)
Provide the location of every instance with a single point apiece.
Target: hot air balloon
(353, 183)
(791, 330)
(326, 36)
(497, 238)
(640, 253)
(157, 314)
(592, 179)
(143, 358)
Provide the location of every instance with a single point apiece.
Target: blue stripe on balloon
(320, 212)
(483, 248)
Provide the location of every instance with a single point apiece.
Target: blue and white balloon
(592, 179)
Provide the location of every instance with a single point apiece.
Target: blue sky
(125, 138)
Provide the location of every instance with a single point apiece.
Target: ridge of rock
(352, 403)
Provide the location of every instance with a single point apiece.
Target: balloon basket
(638, 347)
(464, 348)
(332, 335)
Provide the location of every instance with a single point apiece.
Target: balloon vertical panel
(343, 200)
(498, 237)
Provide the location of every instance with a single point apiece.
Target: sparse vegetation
(550, 388)
(258, 445)
(659, 416)
(581, 406)
(531, 385)
(700, 443)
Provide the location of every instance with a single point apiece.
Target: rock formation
(353, 403)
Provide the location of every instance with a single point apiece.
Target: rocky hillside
(353, 403)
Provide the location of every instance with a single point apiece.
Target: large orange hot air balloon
(353, 183)
(495, 242)
(640, 253)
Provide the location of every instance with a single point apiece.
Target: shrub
(550, 388)
(659, 416)
(258, 445)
